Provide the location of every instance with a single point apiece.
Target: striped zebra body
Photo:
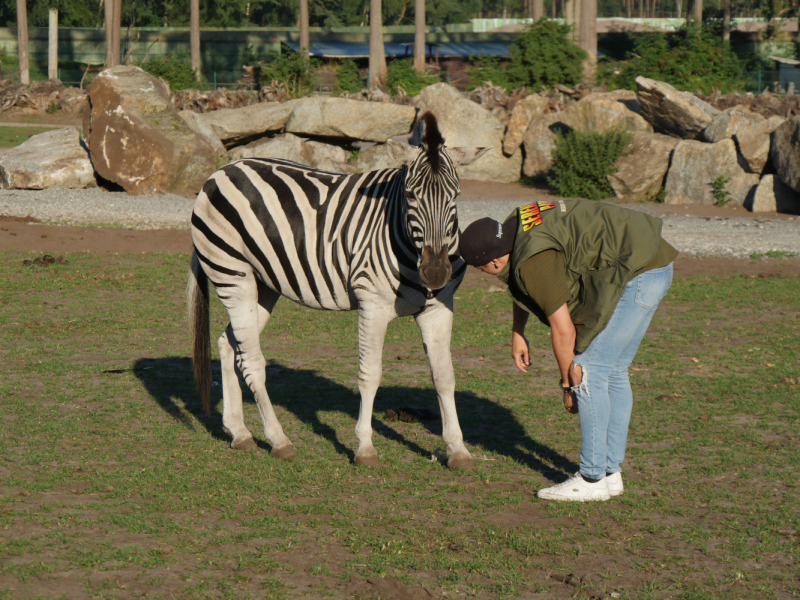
(383, 243)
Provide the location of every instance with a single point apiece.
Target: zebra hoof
(245, 444)
(367, 460)
(460, 462)
(284, 452)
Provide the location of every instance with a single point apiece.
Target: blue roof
(361, 50)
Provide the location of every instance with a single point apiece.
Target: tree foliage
(175, 69)
(292, 69)
(403, 75)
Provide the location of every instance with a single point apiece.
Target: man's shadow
(306, 394)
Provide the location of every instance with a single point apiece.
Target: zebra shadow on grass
(488, 426)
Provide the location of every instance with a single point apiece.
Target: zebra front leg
(248, 317)
(436, 324)
(372, 322)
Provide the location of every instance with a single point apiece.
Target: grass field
(113, 484)
(14, 136)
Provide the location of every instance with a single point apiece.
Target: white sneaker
(576, 489)
(614, 482)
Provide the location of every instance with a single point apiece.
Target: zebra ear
(466, 155)
(401, 153)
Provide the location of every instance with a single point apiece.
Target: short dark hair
(486, 239)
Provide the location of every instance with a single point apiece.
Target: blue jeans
(604, 395)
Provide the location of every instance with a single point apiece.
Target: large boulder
(672, 112)
(287, 147)
(327, 157)
(774, 195)
(374, 158)
(194, 121)
(785, 152)
(136, 138)
(465, 123)
(641, 169)
(753, 143)
(521, 116)
(696, 165)
(601, 112)
(730, 122)
(51, 159)
(237, 125)
(539, 142)
(349, 119)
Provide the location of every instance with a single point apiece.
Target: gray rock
(521, 116)
(327, 157)
(234, 125)
(730, 122)
(465, 123)
(51, 159)
(642, 168)
(672, 112)
(136, 138)
(194, 121)
(539, 142)
(601, 112)
(374, 158)
(785, 152)
(287, 147)
(774, 195)
(696, 165)
(349, 119)
(753, 143)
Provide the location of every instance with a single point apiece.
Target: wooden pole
(726, 21)
(115, 30)
(538, 9)
(108, 21)
(305, 44)
(588, 29)
(419, 35)
(52, 45)
(194, 36)
(377, 55)
(22, 42)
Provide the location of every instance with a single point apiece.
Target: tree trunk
(538, 9)
(108, 12)
(419, 35)
(194, 36)
(377, 55)
(588, 29)
(305, 43)
(115, 29)
(726, 21)
(698, 10)
(553, 10)
(52, 45)
(22, 42)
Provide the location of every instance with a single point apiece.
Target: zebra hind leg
(240, 349)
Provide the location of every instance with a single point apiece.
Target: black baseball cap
(486, 239)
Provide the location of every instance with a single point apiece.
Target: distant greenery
(175, 69)
(348, 78)
(690, 59)
(402, 74)
(583, 160)
(294, 70)
(542, 54)
(14, 136)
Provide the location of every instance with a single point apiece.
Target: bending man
(595, 274)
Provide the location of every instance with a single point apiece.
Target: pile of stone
(40, 96)
(680, 143)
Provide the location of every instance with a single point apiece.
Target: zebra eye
(410, 196)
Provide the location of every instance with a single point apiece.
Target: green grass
(14, 136)
(773, 254)
(114, 484)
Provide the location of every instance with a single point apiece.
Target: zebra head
(431, 187)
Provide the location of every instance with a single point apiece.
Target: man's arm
(519, 345)
(563, 337)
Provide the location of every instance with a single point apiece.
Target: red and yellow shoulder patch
(531, 214)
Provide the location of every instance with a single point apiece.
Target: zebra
(384, 243)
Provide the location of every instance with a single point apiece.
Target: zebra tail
(197, 305)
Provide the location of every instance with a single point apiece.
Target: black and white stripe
(383, 242)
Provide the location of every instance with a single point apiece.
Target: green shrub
(488, 68)
(691, 59)
(721, 195)
(292, 69)
(402, 74)
(583, 160)
(543, 54)
(175, 69)
(348, 78)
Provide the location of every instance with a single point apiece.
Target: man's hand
(570, 402)
(519, 351)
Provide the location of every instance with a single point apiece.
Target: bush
(348, 78)
(175, 69)
(292, 69)
(691, 59)
(488, 68)
(583, 160)
(543, 54)
(402, 74)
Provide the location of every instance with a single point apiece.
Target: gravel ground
(698, 236)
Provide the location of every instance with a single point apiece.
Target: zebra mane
(428, 136)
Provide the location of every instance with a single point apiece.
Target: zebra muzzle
(435, 268)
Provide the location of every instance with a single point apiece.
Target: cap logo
(500, 230)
